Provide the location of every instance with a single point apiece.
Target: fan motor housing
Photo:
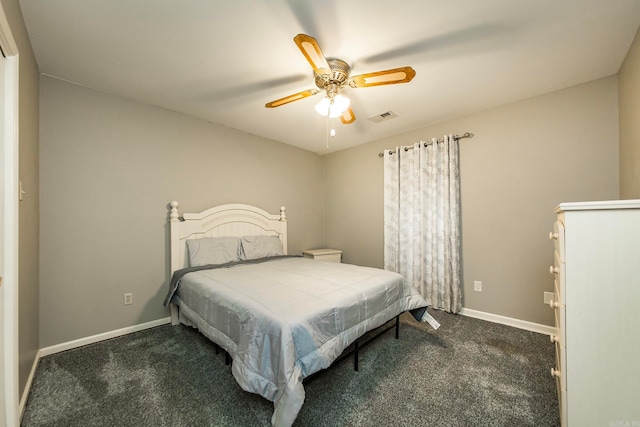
(339, 75)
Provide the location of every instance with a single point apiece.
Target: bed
(281, 318)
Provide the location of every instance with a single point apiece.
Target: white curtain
(422, 219)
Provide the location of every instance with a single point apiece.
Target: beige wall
(525, 158)
(28, 170)
(629, 104)
(108, 169)
(110, 165)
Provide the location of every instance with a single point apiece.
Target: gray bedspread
(285, 318)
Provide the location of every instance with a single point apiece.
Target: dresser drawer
(559, 278)
(557, 235)
(561, 365)
(560, 315)
(559, 372)
(562, 403)
(559, 336)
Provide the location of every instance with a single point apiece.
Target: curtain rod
(464, 135)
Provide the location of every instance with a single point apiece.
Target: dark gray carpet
(468, 373)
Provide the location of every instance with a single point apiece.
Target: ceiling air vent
(383, 117)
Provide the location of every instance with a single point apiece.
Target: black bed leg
(355, 357)
(227, 358)
(217, 347)
(397, 327)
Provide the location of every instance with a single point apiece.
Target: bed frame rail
(357, 346)
(364, 340)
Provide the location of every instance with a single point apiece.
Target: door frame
(9, 141)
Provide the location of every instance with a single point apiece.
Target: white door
(8, 226)
(3, 415)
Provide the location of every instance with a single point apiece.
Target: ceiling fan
(333, 74)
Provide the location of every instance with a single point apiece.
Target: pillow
(213, 250)
(260, 246)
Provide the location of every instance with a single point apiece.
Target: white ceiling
(222, 61)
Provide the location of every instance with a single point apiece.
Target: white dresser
(597, 311)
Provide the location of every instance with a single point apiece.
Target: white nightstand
(327, 255)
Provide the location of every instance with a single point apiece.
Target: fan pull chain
(327, 133)
(331, 130)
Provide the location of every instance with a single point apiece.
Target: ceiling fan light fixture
(333, 74)
(333, 107)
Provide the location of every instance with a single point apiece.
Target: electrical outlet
(477, 286)
(128, 299)
(548, 297)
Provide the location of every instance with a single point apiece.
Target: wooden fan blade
(386, 77)
(348, 117)
(311, 50)
(291, 98)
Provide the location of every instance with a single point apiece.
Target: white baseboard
(27, 387)
(101, 337)
(509, 321)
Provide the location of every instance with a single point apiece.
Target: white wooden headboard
(220, 221)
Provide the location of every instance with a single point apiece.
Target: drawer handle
(554, 304)
(554, 338)
(554, 270)
(553, 236)
(555, 373)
